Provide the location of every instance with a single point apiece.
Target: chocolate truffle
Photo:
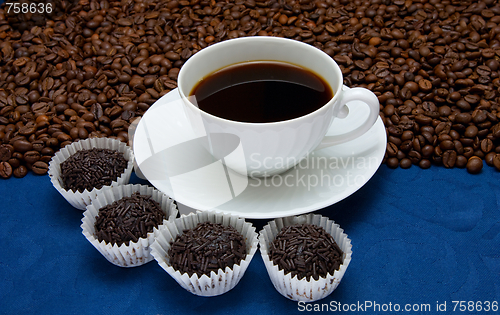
(305, 250)
(128, 219)
(207, 247)
(94, 168)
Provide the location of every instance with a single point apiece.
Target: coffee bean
(449, 158)
(461, 161)
(40, 168)
(486, 145)
(474, 165)
(488, 159)
(20, 171)
(414, 157)
(425, 85)
(458, 146)
(5, 152)
(468, 152)
(27, 129)
(463, 118)
(447, 145)
(425, 164)
(407, 135)
(392, 162)
(418, 142)
(427, 151)
(22, 146)
(405, 163)
(406, 146)
(31, 156)
(496, 161)
(423, 120)
(5, 170)
(418, 65)
(392, 149)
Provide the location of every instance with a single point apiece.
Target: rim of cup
(226, 44)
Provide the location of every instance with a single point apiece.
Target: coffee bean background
(89, 68)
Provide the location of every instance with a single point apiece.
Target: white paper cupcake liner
(303, 290)
(215, 284)
(136, 253)
(80, 200)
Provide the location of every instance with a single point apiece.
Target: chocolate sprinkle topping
(94, 168)
(207, 247)
(128, 219)
(305, 250)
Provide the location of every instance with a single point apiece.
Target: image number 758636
(18, 8)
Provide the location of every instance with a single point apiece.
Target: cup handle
(353, 94)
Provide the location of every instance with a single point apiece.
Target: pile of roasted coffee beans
(206, 248)
(94, 168)
(128, 219)
(90, 67)
(305, 251)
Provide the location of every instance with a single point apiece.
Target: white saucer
(322, 179)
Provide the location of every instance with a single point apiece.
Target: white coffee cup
(266, 149)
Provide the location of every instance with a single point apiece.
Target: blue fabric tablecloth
(421, 238)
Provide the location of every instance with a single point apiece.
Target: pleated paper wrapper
(291, 287)
(81, 200)
(136, 253)
(215, 284)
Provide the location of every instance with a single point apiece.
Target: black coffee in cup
(261, 92)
